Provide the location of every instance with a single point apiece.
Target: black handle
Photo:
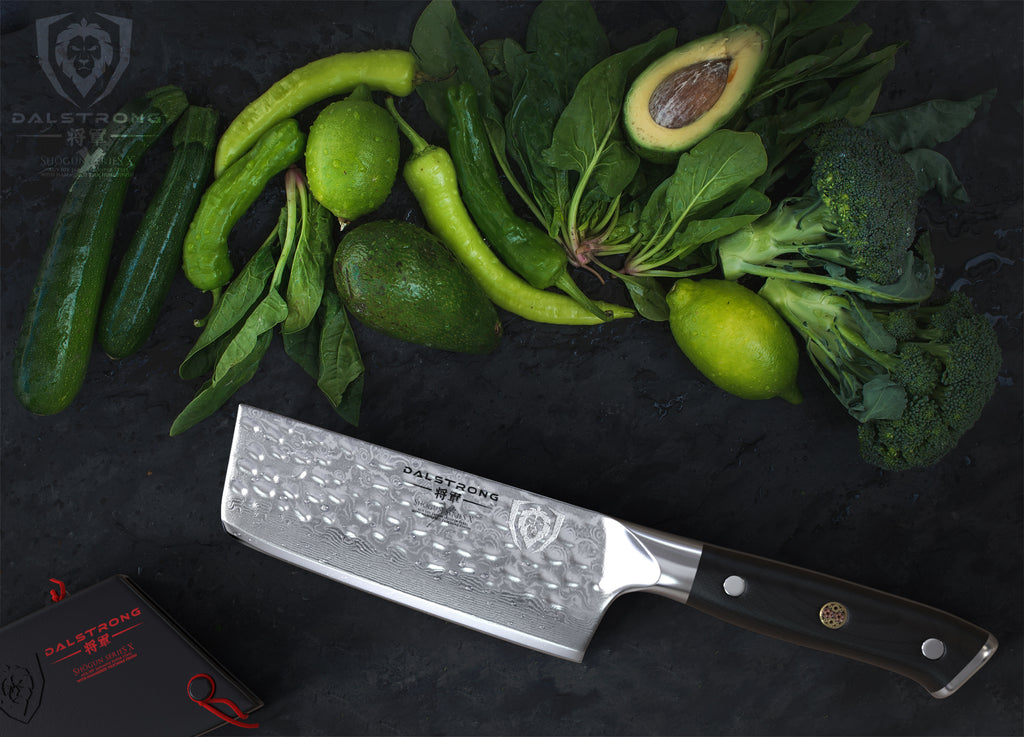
(934, 648)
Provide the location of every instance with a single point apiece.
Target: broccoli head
(852, 227)
(868, 193)
(916, 378)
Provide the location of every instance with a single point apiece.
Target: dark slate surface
(612, 418)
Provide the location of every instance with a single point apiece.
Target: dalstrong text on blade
(450, 486)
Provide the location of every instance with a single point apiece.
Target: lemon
(735, 338)
(352, 156)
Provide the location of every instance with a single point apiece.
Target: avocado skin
(401, 280)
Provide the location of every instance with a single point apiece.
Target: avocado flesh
(692, 91)
(400, 280)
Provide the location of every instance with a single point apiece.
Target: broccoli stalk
(852, 228)
(916, 378)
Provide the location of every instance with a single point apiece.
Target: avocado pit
(693, 90)
(686, 94)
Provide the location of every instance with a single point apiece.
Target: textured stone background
(612, 418)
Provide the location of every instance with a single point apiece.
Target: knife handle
(934, 648)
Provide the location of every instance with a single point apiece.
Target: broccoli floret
(915, 378)
(851, 228)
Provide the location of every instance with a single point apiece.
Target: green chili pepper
(430, 174)
(390, 70)
(205, 253)
(528, 250)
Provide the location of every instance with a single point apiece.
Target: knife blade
(539, 572)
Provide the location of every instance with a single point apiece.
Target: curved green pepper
(431, 177)
(205, 257)
(391, 70)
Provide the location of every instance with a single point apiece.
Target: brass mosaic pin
(833, 615)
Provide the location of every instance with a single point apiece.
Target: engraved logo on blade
(533, 526)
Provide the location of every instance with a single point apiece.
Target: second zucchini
(153, 258)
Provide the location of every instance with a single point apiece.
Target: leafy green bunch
(286, 286)
(553, 107)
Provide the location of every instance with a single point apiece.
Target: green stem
(577, 195)
(294, 190)
(825, 281)
(519, 188)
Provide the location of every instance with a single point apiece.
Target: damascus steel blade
(504, 561)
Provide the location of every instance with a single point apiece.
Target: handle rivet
(933, 649)
(833, 615)
(734, 585)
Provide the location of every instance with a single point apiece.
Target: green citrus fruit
(735, 338)
(352, 156)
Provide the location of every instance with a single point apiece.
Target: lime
(735, 338)
(352, 156)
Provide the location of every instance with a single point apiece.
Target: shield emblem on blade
(21, 690)
(83, 54)
(533, 526)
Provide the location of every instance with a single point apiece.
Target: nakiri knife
(539, 572)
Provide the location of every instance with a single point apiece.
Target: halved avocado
(693, 90)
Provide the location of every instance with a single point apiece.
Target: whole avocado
(401, 280)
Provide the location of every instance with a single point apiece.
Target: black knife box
(108, 661)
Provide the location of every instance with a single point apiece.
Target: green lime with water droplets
(352, 156)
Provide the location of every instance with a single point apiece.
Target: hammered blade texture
(481, 553)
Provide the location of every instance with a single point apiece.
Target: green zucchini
(153, 258)
(55, 343)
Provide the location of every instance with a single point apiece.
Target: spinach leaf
(935, 172)
(270, 312)
(930, 123)
(231, 309)
(590, 120)
(568, 37)
(829, 53)
(739, 213)
(528, 127)
(648, 296)
(213, 394)
(713, 177)
(447, 57)
(770, 15)
(807, 17)
(303, 346)
(718, 169)
(327, 350)
(341, 371)
(589, 128)
(310, 264)
(915, 130)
